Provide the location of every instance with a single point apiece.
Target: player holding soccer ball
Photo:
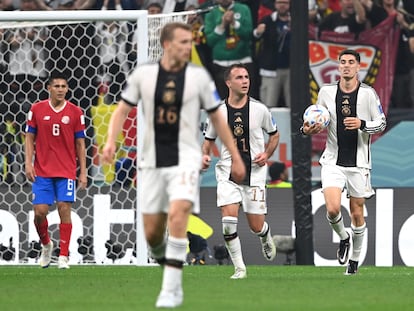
(356, 114)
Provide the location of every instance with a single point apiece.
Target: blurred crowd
(256, 33)
(253, 32)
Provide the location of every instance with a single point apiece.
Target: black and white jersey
(248, 125)
(351, 148)
(171, 107)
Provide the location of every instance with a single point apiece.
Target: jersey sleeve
(210, 132)
(378, 121)
(321, 97)
(31, 122)
(269, 123)
(80, 124)
(210, 99)
(131, 94)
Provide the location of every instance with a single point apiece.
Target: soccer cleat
(168, 299)
(239, 274)
(352, 267)
(268, 248)
(343, 250)
(63, 262)
(46, 255)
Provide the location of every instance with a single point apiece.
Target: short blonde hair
(167, 32)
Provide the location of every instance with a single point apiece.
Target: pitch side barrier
(389, 217)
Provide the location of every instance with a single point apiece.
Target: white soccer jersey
(351, 148)
(171, 107)
(248, 125)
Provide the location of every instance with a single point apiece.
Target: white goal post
(107, 226)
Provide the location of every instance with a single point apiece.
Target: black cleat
(352, 268)
(343, 251)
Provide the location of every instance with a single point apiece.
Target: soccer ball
(317, 114)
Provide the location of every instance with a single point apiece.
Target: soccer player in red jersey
(55, 145)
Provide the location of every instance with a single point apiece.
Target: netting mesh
(96, 57)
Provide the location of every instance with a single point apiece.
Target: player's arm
(29, 152)
(81, 154)
(206, 148)
(272, 143)
(208, 144)
(115, 126)
(269, 126)
(375, 124)
(238, 170)
(378, 121)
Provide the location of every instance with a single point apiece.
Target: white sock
(172, 279)
(233, 245)
(176, 250)
(264, 233)
(337, 224)
(357, 240)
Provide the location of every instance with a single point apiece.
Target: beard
(226, 3)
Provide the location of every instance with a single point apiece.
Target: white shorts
(251, 198)
(356, 180)
(160, 186)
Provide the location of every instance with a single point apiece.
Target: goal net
(96, 51)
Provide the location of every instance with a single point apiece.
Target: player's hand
(205, 162)
(108, 153)
(352, 123)
(238, 169)
(30, 172)
(261, 159)
(312, 129)
(82, 181)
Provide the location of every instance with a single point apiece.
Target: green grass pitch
(303, 288)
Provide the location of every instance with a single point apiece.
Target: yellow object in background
(197, 226)
(101, 114)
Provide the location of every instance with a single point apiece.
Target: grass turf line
(207, 288)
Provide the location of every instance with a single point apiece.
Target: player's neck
(56, 104)
(348, 86)
(171, 65)
(237, 100)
